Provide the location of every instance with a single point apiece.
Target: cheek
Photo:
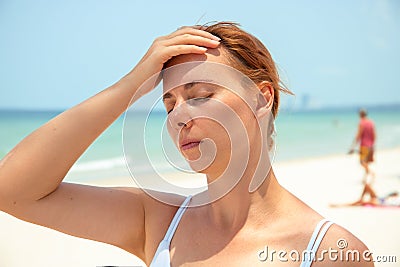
(211, 128)
(244, 113)
(250, 121)
(232, 119)
(215, 131)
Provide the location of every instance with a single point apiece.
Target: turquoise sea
(300, 135)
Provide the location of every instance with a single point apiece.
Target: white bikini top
(162, 257)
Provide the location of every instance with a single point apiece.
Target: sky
(55, 54)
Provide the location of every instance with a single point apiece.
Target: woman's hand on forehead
(186, 40)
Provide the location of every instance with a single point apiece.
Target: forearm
(38, 164)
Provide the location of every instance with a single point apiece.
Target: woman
(231, 230)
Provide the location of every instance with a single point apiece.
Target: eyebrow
(187, 86)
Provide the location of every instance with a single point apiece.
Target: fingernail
(216, 38)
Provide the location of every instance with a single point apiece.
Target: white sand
(318, 182)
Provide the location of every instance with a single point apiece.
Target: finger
(194, 31)
(176, 50)
(188, 39)
(198, 27)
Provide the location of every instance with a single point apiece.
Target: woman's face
(207, 121)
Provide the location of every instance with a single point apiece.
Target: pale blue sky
(54, 54)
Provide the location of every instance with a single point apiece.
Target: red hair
(248, 55)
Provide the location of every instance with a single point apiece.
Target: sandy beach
(318, 182)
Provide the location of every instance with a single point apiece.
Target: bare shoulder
(159, 209)
(339, 247)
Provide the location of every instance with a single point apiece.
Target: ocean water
(299, 135)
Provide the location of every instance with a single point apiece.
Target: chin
(211, 167)
(200, 167)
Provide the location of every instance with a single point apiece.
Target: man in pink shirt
(366, 137)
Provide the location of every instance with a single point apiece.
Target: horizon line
(282, 109)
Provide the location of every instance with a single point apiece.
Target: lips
(189, 143)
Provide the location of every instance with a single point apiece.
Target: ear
(265, 99)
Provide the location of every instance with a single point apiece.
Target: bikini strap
(315, 241)
(175, 221)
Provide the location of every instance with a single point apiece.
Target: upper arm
(346, 250)
(110, 215)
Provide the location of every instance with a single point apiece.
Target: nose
(180, 117)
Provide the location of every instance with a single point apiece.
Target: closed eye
(195, 101)
(198, 100)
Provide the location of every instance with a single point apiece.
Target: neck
(230, 209)
(247, 191)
